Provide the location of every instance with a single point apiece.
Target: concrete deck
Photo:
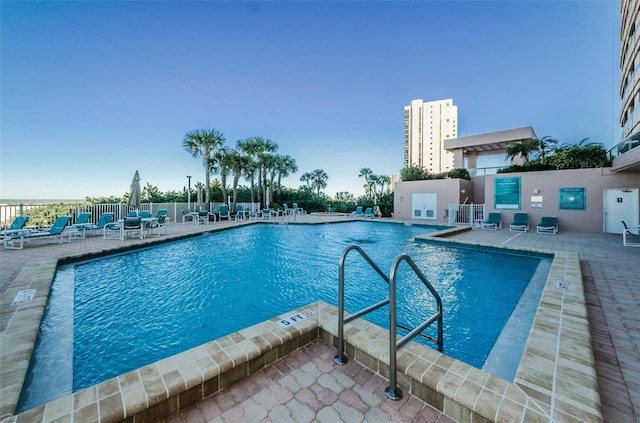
(611, 279)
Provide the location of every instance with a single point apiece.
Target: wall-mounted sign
(573, 198)
(507, 193)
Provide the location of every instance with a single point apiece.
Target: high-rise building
(426, 127)
(629, 59)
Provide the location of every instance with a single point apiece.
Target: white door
(620, 204)
(424, 206)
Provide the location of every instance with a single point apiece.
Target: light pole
(189, 194)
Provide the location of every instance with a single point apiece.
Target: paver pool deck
(304, 386)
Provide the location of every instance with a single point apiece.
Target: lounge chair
(548, 225)
(55, 232)
(520, 222)
(80, 225)
(357, 212)
(630, 236)
(223, 212)
(368, 212)
(298, 210)
(494, 221)
(16, 226)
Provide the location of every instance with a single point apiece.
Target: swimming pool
(219, 283)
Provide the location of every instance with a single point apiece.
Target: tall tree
(267, 163)
(286, 165)
(369, 177)
(319, 180)
(382, 181)
(307, 178)
(205, 143)
(237, 165)
(250, 170)
(254, 147)
(221, 164)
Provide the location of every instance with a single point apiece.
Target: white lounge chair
(630, 236)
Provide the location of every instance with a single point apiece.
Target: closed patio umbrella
(134, 196)
(199, 186)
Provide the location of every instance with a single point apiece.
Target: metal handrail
(392, 391)
(341, 358)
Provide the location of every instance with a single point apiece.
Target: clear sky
(93, 91)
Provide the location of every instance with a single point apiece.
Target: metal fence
(43, 215)
(466, 214)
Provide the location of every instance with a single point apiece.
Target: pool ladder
(392, 391)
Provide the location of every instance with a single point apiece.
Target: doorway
(620, 204)
(424, 206)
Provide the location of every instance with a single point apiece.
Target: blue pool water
(114, 314)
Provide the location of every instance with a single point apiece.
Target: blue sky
(93, 91)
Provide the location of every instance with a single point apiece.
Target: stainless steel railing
(392, 391)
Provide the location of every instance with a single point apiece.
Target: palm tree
(221, 164)
(370, 178)
(237, 165)
(205, 143)
(253, 147)
(523, 149)
(267, 163)
(307, 178)
(286, 165)
(384, 180)
(547, 144)
(319, 180)
(250, 169)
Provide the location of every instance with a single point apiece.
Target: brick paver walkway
(307, 387)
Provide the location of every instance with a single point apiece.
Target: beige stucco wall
(447, 190)
(547, 183)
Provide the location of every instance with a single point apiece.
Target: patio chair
(16, 226)
(286, 209)
(357, 212)
(223, 212)
(55, 232)
(494, 221)
(520, 222)
(145, 214)
(548, 225)
(157, 224)
(130, 226)
(203, 217)
(298, 210)
(240, 214)
(368, 213)
(630, 236)
(110, 229)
